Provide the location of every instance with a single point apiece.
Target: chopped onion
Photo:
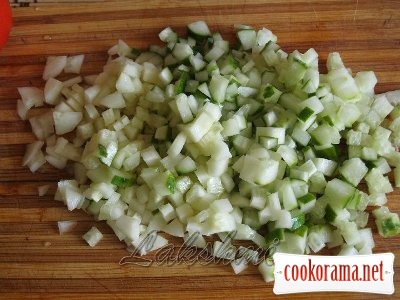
(93, 236)
(31, 96)
(74, 64)
(72, 81)
(52, 91)
(31, 151)
(42, 125)
(54, 66)
(37, 161)
(22, 110)
(90, 79)
(43, 189)
(57, 161)
(66, 226)
(66, 121)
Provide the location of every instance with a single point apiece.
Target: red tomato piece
(5, 21)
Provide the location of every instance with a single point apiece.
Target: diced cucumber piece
(305, 114)
(325, 134)
(325, 166)
(122, 181)
(354, 137)
(288, 197)
(355, 200)
(294, 71)
(275, 236)
(339, 192)
(241, 144)
(183, 107)
(348, 250)
(377, 183)
(317, 183)
(301, 136)
(102, 151)
(307, 202)
(328, 151)
(217, 87)
(293, 243)
(215, 52)
(199, 127)
(268, 143)
(247, 38)
(182, 51)
(289, 155)
(105, 174)
(300, 188)
(168, 35)
(258, 171)
(303, 172)
(107, 154)
(273, 132)
(298, 220)
(313, 104)
(343, 84)
(166, 76)
(382, 106)
(368, 153)
(318, 237)
(186, 166)
(353, 170)
(229, 65)
(388, 223)
(203, 88)
(198, 30)
(197, 63)
(266, 269)
(350, 233)
(269, 94)
(164, 183)
(377, 199)
(181, 83)
(366, 81)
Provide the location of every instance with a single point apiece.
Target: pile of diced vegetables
(197, 137)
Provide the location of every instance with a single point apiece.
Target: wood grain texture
(35, 261)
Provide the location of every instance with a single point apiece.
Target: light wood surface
(35, 261)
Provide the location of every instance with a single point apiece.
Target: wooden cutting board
(35, 261)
